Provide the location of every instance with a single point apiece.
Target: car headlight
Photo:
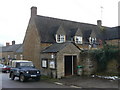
(27, 71)
(38, 71)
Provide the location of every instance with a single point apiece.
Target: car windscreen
(1, 65)
(26, 64)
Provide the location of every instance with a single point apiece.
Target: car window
(17, 64)
(1, 65)
(26, 64)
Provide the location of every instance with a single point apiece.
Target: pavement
(87, 82)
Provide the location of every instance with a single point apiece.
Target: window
(78, 39)
(21, 56)
(92, 40)
(44, 63)
(15, 56)
(60, 38)
(8, 56)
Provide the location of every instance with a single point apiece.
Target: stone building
(10, 52)
(54, 45)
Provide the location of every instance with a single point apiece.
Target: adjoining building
(54, 45)
(11, 52)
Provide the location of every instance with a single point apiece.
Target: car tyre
(12, 76)
(22, 78)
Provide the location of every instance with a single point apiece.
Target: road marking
(58, 83)
(75, 86)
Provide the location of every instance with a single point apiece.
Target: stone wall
(88, 63)
(31, 44)
(68, 50)
(112, 67)
(48, 71)
(113, 42)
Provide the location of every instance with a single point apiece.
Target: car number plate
(33, 75)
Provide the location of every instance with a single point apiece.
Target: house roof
(113, 33)
(48, 27)
(20, 49)
(56, 47)
(12, 48)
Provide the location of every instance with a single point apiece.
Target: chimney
(7, 43)
(99, 23)
(13, 42)
(33, 11)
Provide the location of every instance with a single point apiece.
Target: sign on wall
(44, 63)
(52, 64)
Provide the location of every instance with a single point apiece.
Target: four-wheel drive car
(24, 70)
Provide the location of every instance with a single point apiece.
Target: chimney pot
(7, 43)
(33, 11)
(13, 42)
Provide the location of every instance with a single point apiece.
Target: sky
(15, 14)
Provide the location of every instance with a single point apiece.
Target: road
(8, 83)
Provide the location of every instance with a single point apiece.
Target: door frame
(72, 55)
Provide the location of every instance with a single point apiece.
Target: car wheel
(12, 76)
(22, 78)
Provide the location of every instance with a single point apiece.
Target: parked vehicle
(1, 66)
(25, 70)
(6, 69)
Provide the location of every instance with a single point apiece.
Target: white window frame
(92, 40)
(15, 56)
(8, 56)
(79, 39)
(60, 38)
(44, 63)
(21, 56)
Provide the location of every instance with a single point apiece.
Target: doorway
(70, 64)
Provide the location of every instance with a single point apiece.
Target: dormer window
(92, 40)
(60, 38)
(78, 40)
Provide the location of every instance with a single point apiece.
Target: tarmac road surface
(8, 83)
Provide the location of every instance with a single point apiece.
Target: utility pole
(101, 12)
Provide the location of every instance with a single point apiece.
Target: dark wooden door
(68, 65)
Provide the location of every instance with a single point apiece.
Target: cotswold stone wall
(69, 50)
(47, 70)
(31, 44)
(112, 67)
(90, 65)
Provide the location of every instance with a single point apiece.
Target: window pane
(78, 40)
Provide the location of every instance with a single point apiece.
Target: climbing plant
(104, 55)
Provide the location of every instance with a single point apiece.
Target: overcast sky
(15, 14)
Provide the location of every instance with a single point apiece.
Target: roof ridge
(67, 20)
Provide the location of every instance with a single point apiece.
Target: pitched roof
(78, 32)
(60, 31)
(56, 47)
(112, 33)
(20, 49)
(48, 26)
(11, 48)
